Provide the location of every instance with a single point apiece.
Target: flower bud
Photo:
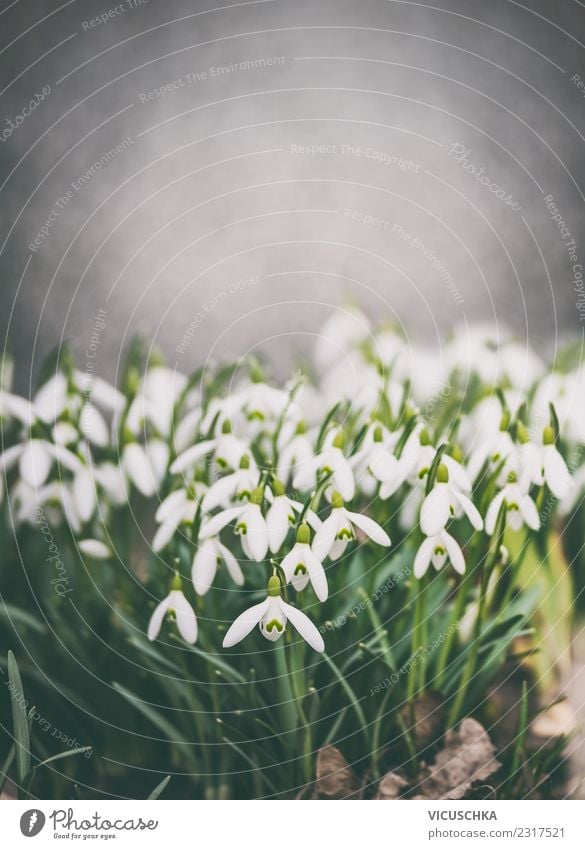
(257, 495)
(304, 534)
(548, 435)
(339, 440)
(278, 487)
(273, 588)
(336, 499)
(424, 437)
(442, 473)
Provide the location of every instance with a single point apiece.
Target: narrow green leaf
(19, 720)
(160, 788)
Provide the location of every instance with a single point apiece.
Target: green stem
(451, 631)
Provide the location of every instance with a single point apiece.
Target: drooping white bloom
(544, 464)
(272, 615)
(236, 486)
(330, 460)
(210, 553)
(444, 502)
(260, 401)
(158, 392)
(35, 458)
(520, 508)
(296, 454)
(282, 514)
(176, 606)
(339, 528)
(226, 450)
(145, 465)
(436, 550)
(375, 455)
(250, 525)
(301, 565)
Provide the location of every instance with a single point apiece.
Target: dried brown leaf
(335, 777)
(467, 757)
(391, 786)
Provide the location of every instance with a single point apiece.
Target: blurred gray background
(220, 178)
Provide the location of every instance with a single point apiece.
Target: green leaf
(6, 766)
(67, 754)
(348, 691)
(160, 788)
(19, 720)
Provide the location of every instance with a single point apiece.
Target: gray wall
(211, 187)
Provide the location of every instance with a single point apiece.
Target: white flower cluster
(289, 476)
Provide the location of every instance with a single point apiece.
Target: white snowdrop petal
(93, 426)
(434, 513)
(245, 623)
(529, 512)
(156, 619)
(256, 531)
(277, 522)
(470, 510)
(304, 626)
(16, 407)
(492, 513)
(231, 563)
(84, 494)
(138, 468)
(10, 457)
(204, 566)
(186, 619)
(556, 472)
(170, 504)
(372, 529)
(423, 557)
(95, 548)
(191, 456)
(35, 462)
(454, 551)
(317, 575)
(51, 399)
(325, 537)
(166, 530)
(213, 526)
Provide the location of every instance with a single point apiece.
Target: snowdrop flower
(376, 453)
(301, 566)
(233, 487)
(210, 554)
(566, 393)
(444, 502)
(296, 454)
(226, 450)
(176, 607)
(332, 461)
(250, 525)
(435, 550)
(35, 458)
(260, 401)
(272, 615)
(339, 528)
(282, 514)
(145, 465)
(544, 464)
(178, 507)
(159, 390)
(520, 508)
